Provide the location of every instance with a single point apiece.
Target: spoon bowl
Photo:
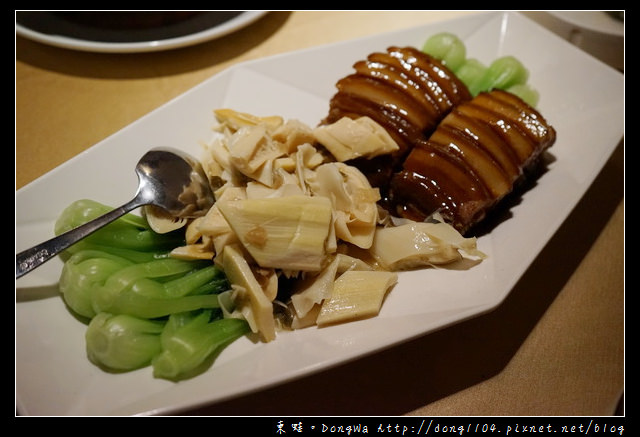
(173, 181)
(167, 178)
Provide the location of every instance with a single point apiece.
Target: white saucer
(57, 34)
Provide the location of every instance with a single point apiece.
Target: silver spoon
(167, 178)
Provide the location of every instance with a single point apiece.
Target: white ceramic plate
(582, 97)
(52, 31)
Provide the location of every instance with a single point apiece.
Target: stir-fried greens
(144, 307)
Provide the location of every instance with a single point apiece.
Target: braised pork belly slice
(404, 90)
(474, 158)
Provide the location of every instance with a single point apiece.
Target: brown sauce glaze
(474, 132)
(427, 87)
(384, 94)
(404, 90)
(449, 91)
(521, 116)
(470, 151)
(434, 179)
(492, 142)
(394, 77)
(457, 155)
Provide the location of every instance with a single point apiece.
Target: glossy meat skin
(475, 157)
(457, 155)
(407, 92)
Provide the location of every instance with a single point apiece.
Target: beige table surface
(554, 347)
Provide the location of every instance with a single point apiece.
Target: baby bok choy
(505, 72)
(189, 339)
(122, 342)
(94, 281)
(137, 299)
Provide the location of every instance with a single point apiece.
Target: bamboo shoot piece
(419, 244)
(251, 299)
(282, 232)
(356, 295)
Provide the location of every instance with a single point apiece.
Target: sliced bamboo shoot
(282, 232)
(240, 275)
(356, 295)
(314, 289)
(418, 244)
(354, 138)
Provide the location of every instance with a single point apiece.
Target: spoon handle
(29, 259)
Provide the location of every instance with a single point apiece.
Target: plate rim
(321, 365)
(236, 23)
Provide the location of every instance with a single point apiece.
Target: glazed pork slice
(404, 90)
(475, 157)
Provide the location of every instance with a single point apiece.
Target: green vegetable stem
(143, 306)
(85, 272)
(138, 289)
(122, 342)
(526, 92)
(129, 236)
(503, 73)
(506, 72)
(93, 281)
(471, 73)
(448, 48)
(190, 338)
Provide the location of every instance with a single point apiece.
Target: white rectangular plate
(581, 97)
